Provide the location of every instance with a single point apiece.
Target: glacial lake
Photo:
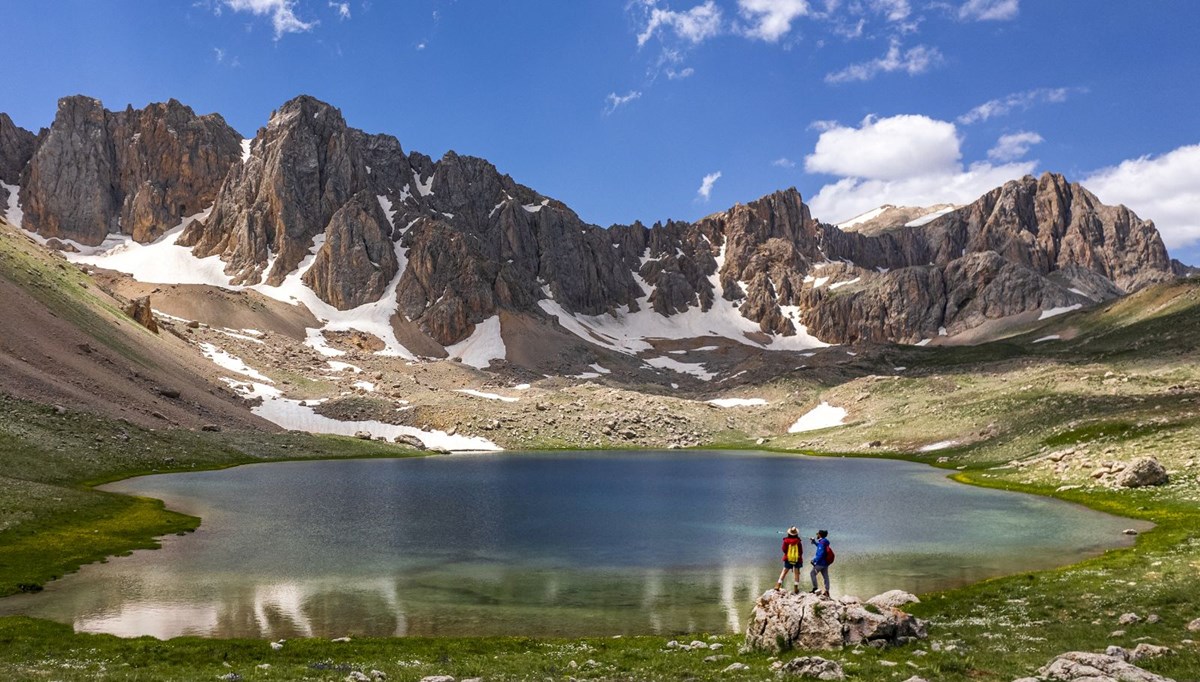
(547, 544)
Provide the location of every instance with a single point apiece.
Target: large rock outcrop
(134, 172)
(1082, 666)
(357, 260)
(301, 170)
(783, 621)
(16, 148)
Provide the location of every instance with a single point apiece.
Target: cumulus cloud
(905, 160)
(1013, 146)
(1016, 101)
(913, 61)
(989, 10)
(694, 25)
(706, 185)
(282, 14)
(886, 148)
(616, 101)
(1165, 189)
(770, 20)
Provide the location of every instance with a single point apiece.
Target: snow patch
(232, 362)
(246, 150)
(697, 370)
(484, 345)
(1051, 312)
(836, 285)
(930, 217)
(13, 213)
(869, 215)
(316, 340)
(940, 445)
(488, 396)
(736, 402)
(423, 188)
(290, 414)
(1052, 337)
(822, 416)
(336, 366)
(534, 208)
(364, 385)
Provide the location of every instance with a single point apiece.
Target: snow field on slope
(822, 416)
(482, 346)
(164, 262)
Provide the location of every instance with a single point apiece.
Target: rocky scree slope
(454, 241)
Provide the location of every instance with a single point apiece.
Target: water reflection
(565, 545)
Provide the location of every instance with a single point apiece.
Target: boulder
(1194, 626)
(1144, 471)
(893, 599)
(814, 668)
(139, 309)
(783, 621)
(1083, 666)
(411, 441)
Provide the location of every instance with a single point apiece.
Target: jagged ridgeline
(454, 241)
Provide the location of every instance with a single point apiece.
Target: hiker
(821, 560)
(793, 559)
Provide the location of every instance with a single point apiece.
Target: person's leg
(796, 579)
(825, 574)
(782, 575)
(813, 574)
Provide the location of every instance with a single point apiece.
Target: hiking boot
(795, 589)
(779, 587)
(813, 591)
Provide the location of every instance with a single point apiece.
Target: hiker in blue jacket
(821, 560)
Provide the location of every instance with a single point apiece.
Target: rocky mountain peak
(134, 172)
(16, 148)
(303, 167)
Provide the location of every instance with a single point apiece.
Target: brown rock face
(358, 260)
(134, 172)
(16, 148)
(139, 309)
(303, 168)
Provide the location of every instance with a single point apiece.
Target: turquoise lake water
(573, 544)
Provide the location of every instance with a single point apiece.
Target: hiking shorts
(788, 565)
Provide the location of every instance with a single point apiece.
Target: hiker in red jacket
(793, 559)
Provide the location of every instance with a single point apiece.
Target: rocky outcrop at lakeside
(783, 621)
(135, 172)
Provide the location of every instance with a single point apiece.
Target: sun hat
(794, 531)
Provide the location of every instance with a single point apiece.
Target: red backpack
(829, 555)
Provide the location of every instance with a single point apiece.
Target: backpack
(793, 553)
(829, 555)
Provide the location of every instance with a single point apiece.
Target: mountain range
(427, 254)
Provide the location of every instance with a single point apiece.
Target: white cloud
(913, 61)
(616, 101)
(905, 160)
(1017, 100)
(894, 10)
(989, 10)
(706, 185)
(694, 25)
(1165, 189)
(672, 74)
(343, 9)
(887, 148)
(1013, 146)
(219, 54)
(783, 162)
(770, 20)
(282, 14)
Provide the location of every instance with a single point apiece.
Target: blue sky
(648, 109)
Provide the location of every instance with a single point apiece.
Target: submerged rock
(784, 621)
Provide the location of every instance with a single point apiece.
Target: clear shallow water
(546, 544)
